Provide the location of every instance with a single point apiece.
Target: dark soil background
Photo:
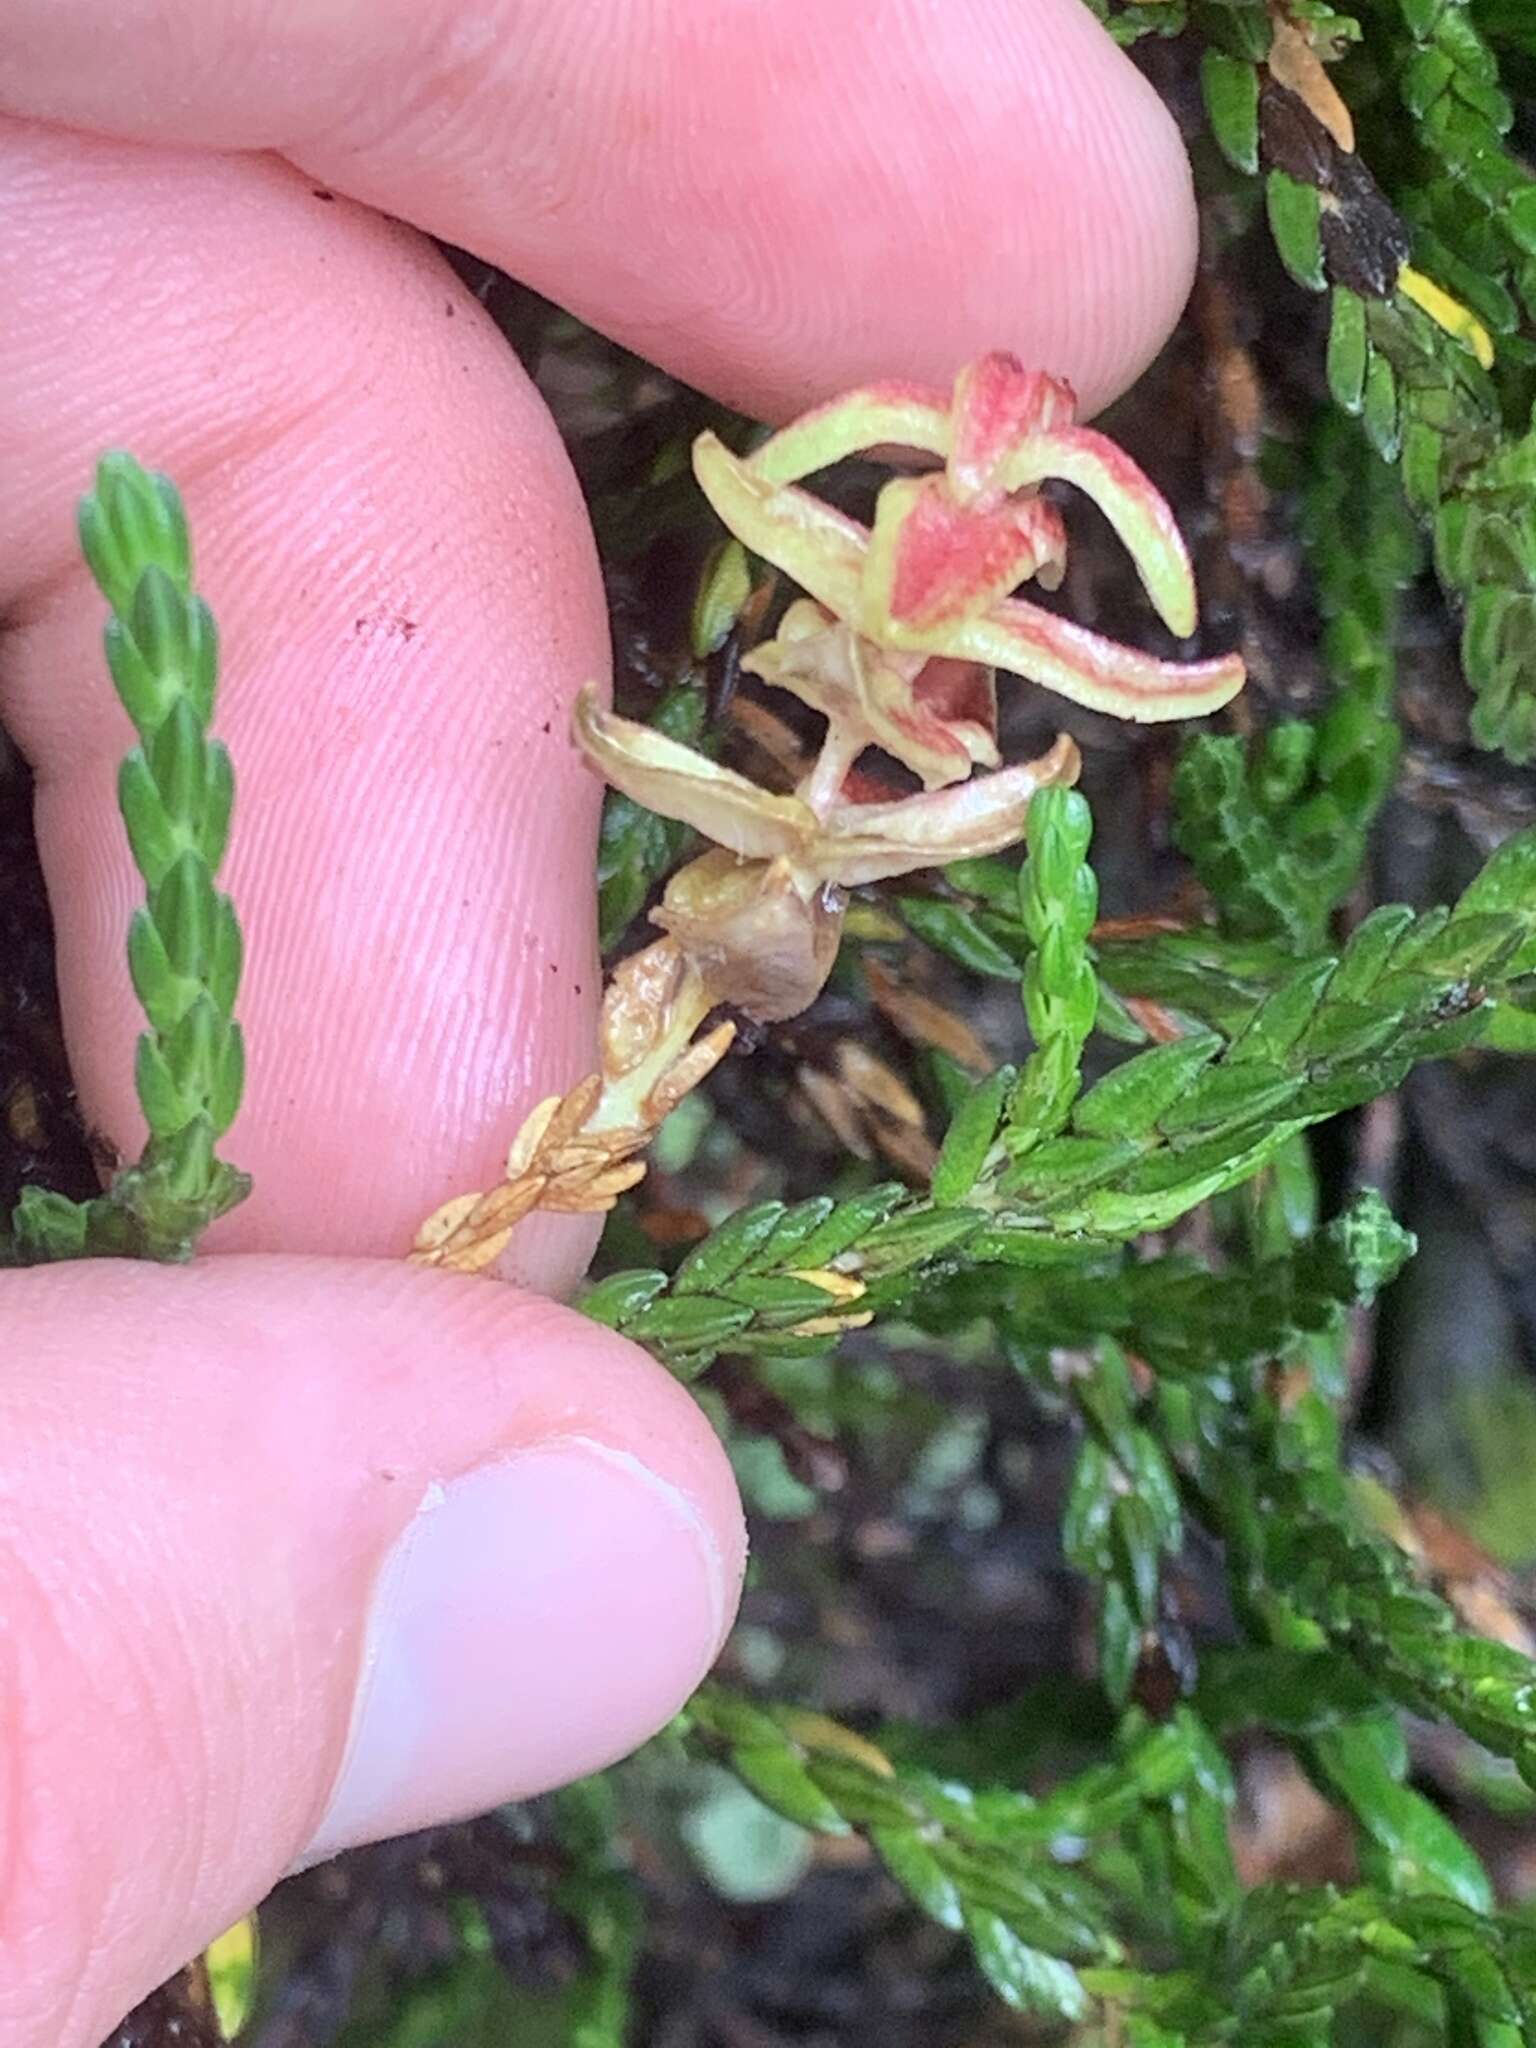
(910, 1571)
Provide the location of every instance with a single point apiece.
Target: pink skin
(202, 1474)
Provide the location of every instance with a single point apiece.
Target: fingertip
(780, 216)
(397, 553)
(784, 201)
(1111, 208)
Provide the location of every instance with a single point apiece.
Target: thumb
(296, 1554)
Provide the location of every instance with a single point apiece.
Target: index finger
(773, 201)
(395, 549)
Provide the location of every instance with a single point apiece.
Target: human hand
(227, 1492)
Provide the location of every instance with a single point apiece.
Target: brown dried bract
(1294, 63)
(760, 937)
(871, 1110)
(577, 1153)
(923, 1021)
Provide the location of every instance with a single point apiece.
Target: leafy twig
(176, 790)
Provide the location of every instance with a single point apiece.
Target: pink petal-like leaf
(932, 560)
(871, 842)
(668, 777)
(964, 695)
(867, 696)
(1129, 501)
(1089, 669)
(998, 402)
(828, 553)
(913, 729)
(875, 416)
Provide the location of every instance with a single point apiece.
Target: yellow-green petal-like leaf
(870, 842)
(668, 777)
(822, 549)
(877, 416)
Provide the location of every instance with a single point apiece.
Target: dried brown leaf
(1295, 64)
(837, 1108)
(923, 1021)
(878, 1084)
(684, 1076)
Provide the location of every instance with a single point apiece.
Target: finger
(301, 1553)
(773, 201)
(398, 558)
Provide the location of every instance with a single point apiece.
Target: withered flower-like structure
(896, 646)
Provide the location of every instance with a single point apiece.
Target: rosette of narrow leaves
(934, 573)
(873, 648)
(175, 790)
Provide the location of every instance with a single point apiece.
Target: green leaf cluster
(1277, 831)
(1064, 1897)
(989, 1865)
(1458, 201)
(1165, 1130)
(1129, 20)
(1058, 905)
